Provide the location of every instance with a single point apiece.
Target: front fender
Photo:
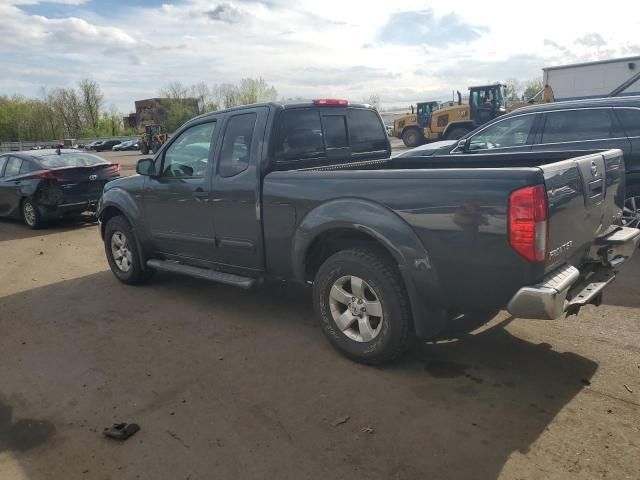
(121, 200)
(394, 234)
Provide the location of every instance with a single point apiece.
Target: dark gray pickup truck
(394, 248)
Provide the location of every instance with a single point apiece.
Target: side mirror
(463, 145)
(146, 166)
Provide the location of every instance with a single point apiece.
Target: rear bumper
(55, 211)
(566, 289)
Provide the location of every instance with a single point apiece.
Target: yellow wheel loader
(153, 137)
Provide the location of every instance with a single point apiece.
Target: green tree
(532, 87)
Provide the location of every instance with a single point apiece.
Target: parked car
(577, 125)
(39, 185)
(393, 248)
(126, 145)
(93, 145)
(107, 145)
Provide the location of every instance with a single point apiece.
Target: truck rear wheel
(412, 137)
(362, 305)
(144, 149)
(457, 133)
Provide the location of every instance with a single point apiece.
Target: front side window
(630, 119)
(511, 132)
(366, 133)
(13, 167)
(188, 155)
(236, 146)
(577, 125)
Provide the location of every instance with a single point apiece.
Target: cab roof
(282, 104)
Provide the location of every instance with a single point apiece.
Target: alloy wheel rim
(29, 213)
(120, 251)
(631, 212)
(356, 308)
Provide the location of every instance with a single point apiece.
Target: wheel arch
(466, 125)
(348, 223)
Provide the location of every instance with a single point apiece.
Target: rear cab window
(311, 136)
(235, 155)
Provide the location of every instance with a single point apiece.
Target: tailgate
(84, 183)
(586, 197)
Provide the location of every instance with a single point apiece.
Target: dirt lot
(230, 384)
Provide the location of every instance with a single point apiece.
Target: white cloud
(304, 47)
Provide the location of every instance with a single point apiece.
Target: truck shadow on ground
(624, 290)
(255, 369)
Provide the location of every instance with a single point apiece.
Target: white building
(594, 79)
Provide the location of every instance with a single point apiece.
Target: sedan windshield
(69, 160)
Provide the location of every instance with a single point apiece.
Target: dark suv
(577, 125)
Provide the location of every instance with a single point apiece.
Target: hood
(126, 183)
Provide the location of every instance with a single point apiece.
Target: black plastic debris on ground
(121, 431)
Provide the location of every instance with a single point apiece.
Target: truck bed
(458, 209)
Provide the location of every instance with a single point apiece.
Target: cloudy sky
(402, 50)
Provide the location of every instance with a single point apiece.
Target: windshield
(499, 96)
(69, 160)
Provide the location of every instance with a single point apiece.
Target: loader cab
(487, 102)
(423, 113)
(151, 130)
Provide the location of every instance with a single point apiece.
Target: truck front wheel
(359, 297)
(122, 252)
(412, 137)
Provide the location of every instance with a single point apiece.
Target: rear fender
(392, 233)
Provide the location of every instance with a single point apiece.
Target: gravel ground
(233, 384)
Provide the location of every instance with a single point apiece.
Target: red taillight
(46, 175)
(116, 167)
(528, 222)
(330, 101)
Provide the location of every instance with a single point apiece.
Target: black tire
(412, 137)
(457, 133)
(135, 274)
(144, 149)
(395, 333)
(155, 146)
(30, 214)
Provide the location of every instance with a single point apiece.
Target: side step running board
(212, 275)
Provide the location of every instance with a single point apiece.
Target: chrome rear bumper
(548, 299)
